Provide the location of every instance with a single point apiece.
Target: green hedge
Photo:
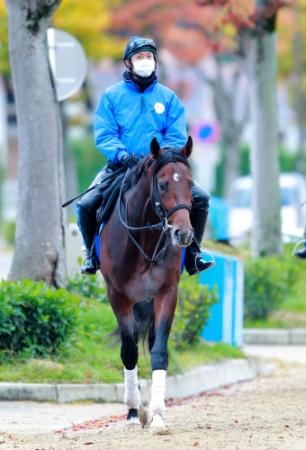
(192, 311)
(268, 281)
(35, 320)
(88, 286)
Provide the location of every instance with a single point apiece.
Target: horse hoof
(132, 417)
(158, 426)
(133, 422)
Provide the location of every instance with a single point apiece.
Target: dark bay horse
(141, 260)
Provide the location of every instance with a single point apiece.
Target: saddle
(110, 186)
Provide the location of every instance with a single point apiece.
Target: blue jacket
(126, 120)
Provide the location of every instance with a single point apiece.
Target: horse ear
(187, 149)
(155, 148)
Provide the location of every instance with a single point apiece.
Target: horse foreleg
(132, 394)
(129, 354)
(164, 307)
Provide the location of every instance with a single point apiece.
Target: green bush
(87, 286)
(35, 320)
(192, 311)
(266, 282)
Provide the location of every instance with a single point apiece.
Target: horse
(140, 260)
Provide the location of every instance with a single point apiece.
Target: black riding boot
(194, 262)
(301, 253)
(87, 225)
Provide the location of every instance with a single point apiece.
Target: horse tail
(143, 315)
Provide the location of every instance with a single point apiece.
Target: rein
(162, 213)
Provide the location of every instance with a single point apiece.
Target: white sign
(68, 62)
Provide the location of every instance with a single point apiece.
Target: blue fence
(226, 316)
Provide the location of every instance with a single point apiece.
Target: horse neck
(140, 210)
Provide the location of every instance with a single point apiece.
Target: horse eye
(163, 185)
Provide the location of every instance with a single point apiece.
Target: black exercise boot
(301, 253)
(87, 225)
(90, 264)
(194, 261)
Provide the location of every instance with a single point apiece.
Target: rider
(129, 115)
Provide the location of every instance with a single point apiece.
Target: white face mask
(144, 67)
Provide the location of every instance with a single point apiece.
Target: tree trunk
(260, 50)
(299, 99)
(39, 245)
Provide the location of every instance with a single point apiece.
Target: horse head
(171, 190)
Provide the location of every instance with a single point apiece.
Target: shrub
(87, 286)
(35, 320)
(192, 311)
(266, 281)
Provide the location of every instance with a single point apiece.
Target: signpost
(68, 63)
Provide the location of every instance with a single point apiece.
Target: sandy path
(266, 414)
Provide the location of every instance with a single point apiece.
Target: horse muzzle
(180, 237)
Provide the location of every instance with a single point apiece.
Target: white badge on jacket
(159, 108)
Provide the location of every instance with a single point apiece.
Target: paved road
(287, 353)
(268, 413)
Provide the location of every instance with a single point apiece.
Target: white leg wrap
(131, 390)
(158, 392)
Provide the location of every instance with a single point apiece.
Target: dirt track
(266, 414)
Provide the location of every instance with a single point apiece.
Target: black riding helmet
(138, 44)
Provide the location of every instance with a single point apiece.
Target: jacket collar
(140, 83)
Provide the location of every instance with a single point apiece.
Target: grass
(93, 356)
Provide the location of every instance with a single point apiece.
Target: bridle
(159, 209)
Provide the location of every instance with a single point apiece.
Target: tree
(259, 45)
(292, 51)
(40, 229)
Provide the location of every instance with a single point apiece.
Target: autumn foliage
(201, 24)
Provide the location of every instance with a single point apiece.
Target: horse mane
(145, 163)
(137, 171)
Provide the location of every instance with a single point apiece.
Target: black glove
(128, 161)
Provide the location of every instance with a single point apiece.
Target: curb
(191, 383)
(274, 336)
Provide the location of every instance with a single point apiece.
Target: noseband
(158, 207)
